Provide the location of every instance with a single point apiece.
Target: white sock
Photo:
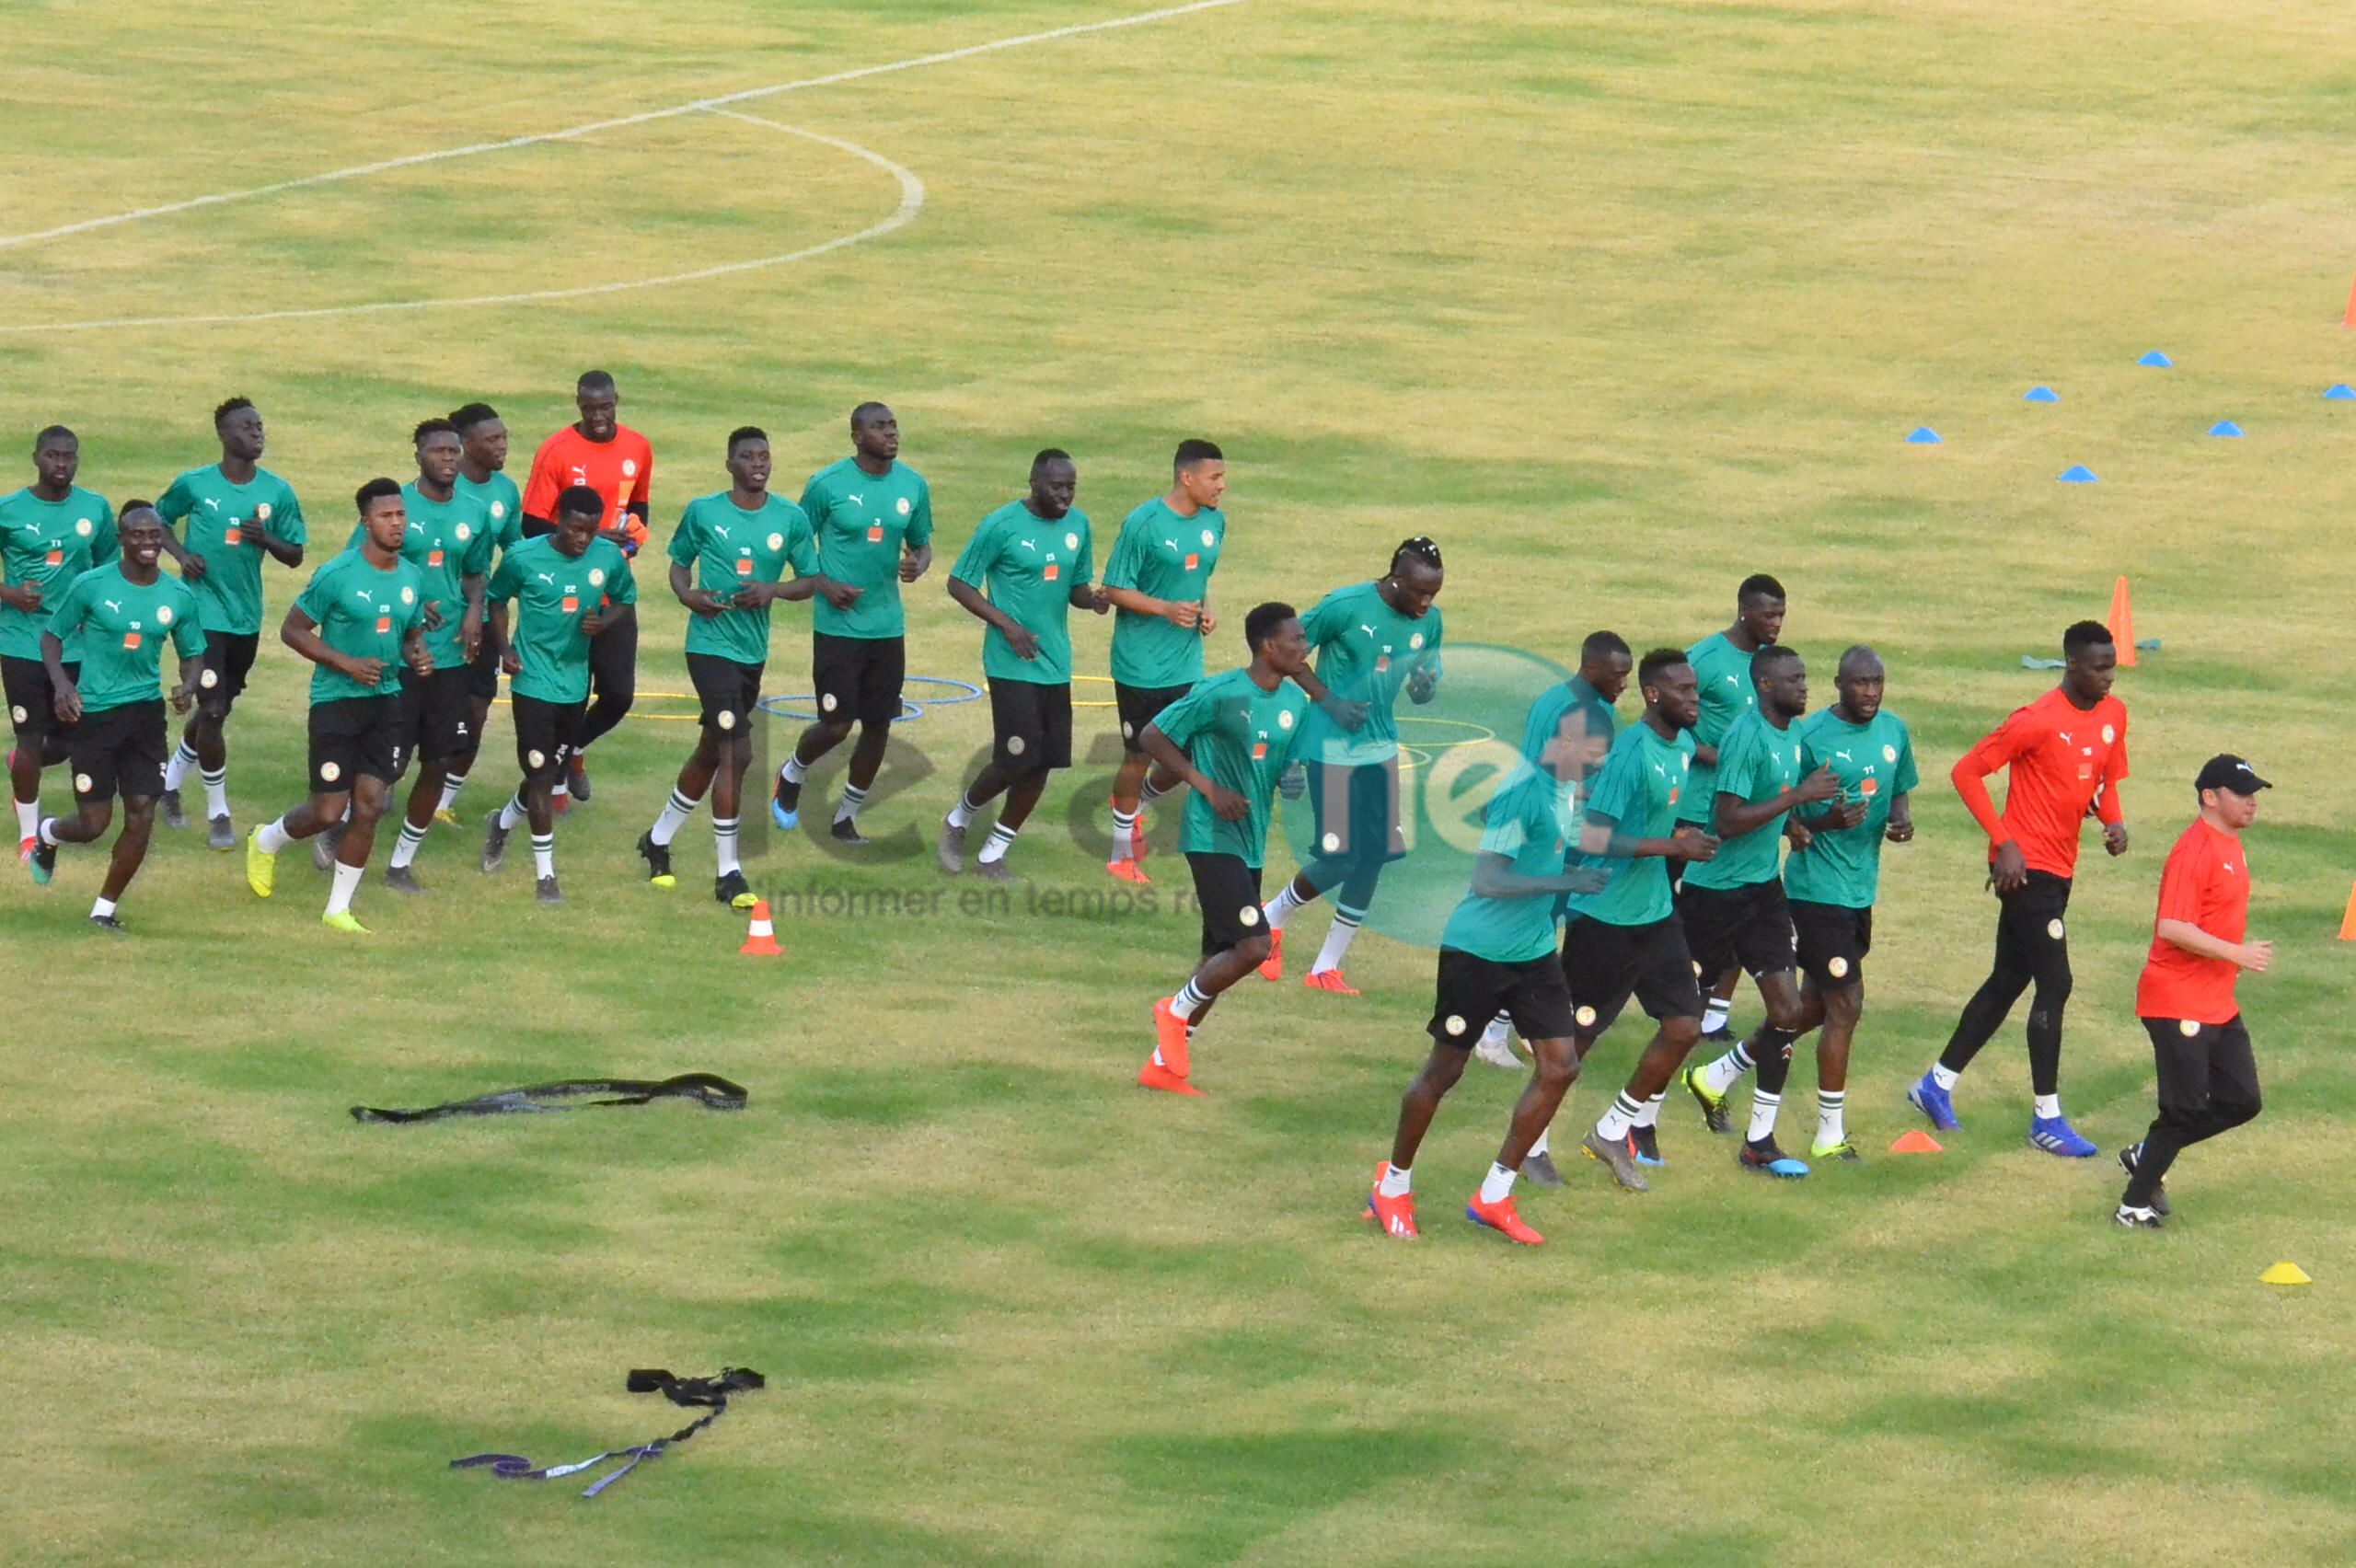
(1394, 1182)
(1829, 1128)
(406, 847)
(28, 817)
(1618, 1119)
(176, 770)
(1189, 1001)
(2049, 1105)
(1148, 794)
(512, 814)
(347, 883)
(1944, 1077)
(723, 846)
(451, 785)
(847, 809)
(1279, 908)
(1764, 1107)
(101, 906)
(794, 770)
(675, 812)
(1338, 937)
(1125, 834)
(1722, 1075)
(1495, 1034)
(1543, 1145)
(564, 790)
(1497, 1185)
(273, 837)
(962, 813)
(1000, 840)
(47, 832)
(544, 854)
(216, 792)
(1650, 1115)
(1714, 1016)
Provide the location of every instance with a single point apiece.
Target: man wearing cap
(2208, 1077)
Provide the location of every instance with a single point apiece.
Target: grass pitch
(1619, 302)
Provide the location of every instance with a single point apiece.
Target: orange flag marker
(2122, 624)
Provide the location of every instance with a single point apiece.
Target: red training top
(621, 470)
(2062, 758)
(2205, 883)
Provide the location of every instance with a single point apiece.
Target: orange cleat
(1155, 1076)
(1170, 1035)
(1272, 966)
(1129, 872)
(1396, 1216)
(1139, 847)
(25, 847)
(1327, 980)
(1500, 1216)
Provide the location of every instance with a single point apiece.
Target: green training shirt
(122, 628)
(862, 520)
(552, 591)
(1757, 762)
(1531, 820)
(1027, 566)
(1875, 763)
(1365, 651)
(364, 612)
(1639, 789)
(1163, 556)
(730, 548)
(502, 502)
(1722, 675)
(48, 544)
(223, 527)
(446, 541)
(1241, 738)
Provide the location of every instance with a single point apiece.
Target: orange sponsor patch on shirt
(235, 535)
(1672, 794)
(743, 566)
(434, 558)
(1259, 750)
(130, 639)
(1191, 559)
(384, 625)
(571, 604)
(875, 532)
(55, 558)
(1869, 786)
(1052, 571)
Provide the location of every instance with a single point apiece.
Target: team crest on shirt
(465, 532)
(1209, 537)
(1414, 641)
(2108, 734)
(497, 510)
(629, 468)
(596, 577)
(905, 508)
(262, 512)
(163, 615)
(1889, 753)
(1284, 720)
(1071, 541)
(408, 594)
(82, 527)
(776, 541)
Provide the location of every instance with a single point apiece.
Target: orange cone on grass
(761, 940)
(1916, 1142)
(2348, 921)
(2122, 624)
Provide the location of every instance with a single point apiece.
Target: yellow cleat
(261, 869)
(344, 921)
(446, 815)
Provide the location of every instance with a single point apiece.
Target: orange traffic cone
(1916, 1142)
(2348, 921)
(761, 941)
(2349, 320)
(2122, 624)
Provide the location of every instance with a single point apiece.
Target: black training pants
(2032, 948)
(613, 678)
(2208, 1083)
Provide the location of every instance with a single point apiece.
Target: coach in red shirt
(2208, 1077)
(609, 457)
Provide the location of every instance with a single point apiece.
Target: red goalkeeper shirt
(621, 470)
(2061, 758)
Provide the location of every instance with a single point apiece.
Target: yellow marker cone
(2285, 1274)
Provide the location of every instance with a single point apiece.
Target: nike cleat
(1646, 1143)
(445, 816)
(111, 925)
(1495, 1047)
(1272, 966)
(1170, 1035)
(1329, 980)
(221, 833)
(546, 892)
(175, 813)
(1714, 1114)
(658, 860)
(996, 870)
(494, 842)
(948, 851)
(1927, 1097)
(1843, 1150)
(846, 832)
(42, 862)
(1395, 1215)
(1763, 1159)
(346, 921)
(785, 805)
(401, 878)
(1500, 1216)
(261, 868)
(1722, 1036)
(1538, 1169)
(2055, 1136)
(2133, 1156)
(1129, 872)
(324, 846)
(1154, 1074)
(579, 779)
(25, 847)
(732, 889)
(1617, 1156)
(2137, 1218)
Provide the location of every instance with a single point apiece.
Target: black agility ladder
(709, 1394)
(708, 1090)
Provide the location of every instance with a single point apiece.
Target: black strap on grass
(708, 1394)
(708, 1090)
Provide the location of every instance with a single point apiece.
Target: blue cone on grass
(2224, 427)
(2078, 474)
(2040, 395)
(1922, 435)
(2339, 392)
(2156, 360)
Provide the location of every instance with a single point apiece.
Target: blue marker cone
(1922, 435)
(2339, 392)
(2224, 427)
(2156, 360)
(2040, 395)
(2078, 474)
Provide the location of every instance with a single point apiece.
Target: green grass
(1619, 301)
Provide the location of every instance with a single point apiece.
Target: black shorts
(119, 751)
(1032, 726)
(546, 735)
(354, 736)
(434, 717)
(1474, 989)
(32, 701)
(1356, 807)
(729, 692)
(1748, 926)
(482, 674)
(1605, 965)
(1141, 705)
(1229, 891)
(228, 660)
(1833, 941)
(858, 678)
(2030, 924)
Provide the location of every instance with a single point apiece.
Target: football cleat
(2132, 1156)
(1617, 1156)
(2055, 1136)
(261, 868)
(1927, 1097)
(1272, 966)
(730, 888)
(1329, 980)
(1155, 1076)
(1169, 1036)
(1714, 1116)
(1396, 1216)
(1764, 1159)
(346, 921)
(658, 860)
(1500, 1216)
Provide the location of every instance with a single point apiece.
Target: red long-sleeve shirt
(2061, 758)
(621, 470)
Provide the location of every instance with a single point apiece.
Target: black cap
(2226, 771)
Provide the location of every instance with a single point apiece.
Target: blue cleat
(1766, 1160)
(785, 805)
(1647, 1144)
(2055, 1136)
(1927, 1097)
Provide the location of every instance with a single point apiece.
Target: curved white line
(911, 203)
(414, 159)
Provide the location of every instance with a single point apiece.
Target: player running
(1035, 555)
(1733, 906)
(120, 614)
(2067, 754)
(1157, 580)
(482, 457)
(236, 512)
(1373, 641)
(872, 514)
(361, 622)
(600, 452)
(566, 587)
(1627, 941)
(51, 532)
(2185, 996)
(1497, 954)
(1722, 673)
(728, 560)
(1233, 738)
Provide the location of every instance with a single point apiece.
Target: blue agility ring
(910, 711)
(967, 690)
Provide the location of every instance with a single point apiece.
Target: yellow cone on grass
(2285, 1273)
